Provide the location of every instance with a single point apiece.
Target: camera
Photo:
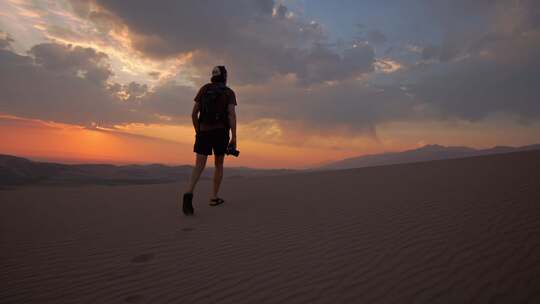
(231, 150)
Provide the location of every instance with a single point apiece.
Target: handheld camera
(231, 150)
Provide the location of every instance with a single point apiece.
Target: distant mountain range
(20, 171)
(425, 153)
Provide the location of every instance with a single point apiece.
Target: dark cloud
(376, 36)
(281, 11)
(460, 25)
(72, 61)
(430, 52)
(174, 27)
(135, 90)
(349, 105)
(485, 58)
(171, 100)
(311, 66)
(531, 14)
(502, 76)
(34, 90)
(4, 43)
(321, 64)
(487, 61)
(440, 53)
(474, 58)
(5, 40)
(249, 36)
(71, 85)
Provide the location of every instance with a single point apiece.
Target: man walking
(213, 115)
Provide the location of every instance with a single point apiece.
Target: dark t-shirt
(224, 100)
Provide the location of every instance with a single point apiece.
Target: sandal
(216, 201)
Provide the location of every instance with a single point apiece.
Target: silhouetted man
(213, 116)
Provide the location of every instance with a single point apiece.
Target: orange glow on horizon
(71, 143)
(135, 143)
(263, 144)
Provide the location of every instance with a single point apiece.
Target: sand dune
(425, 153)
(451, 231)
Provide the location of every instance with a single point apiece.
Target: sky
(316, 81)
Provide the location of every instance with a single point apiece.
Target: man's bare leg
(218, 174)
(200, 163)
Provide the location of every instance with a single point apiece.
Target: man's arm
(195, 117)
(232, 122)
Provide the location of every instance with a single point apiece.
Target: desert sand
(450, 231)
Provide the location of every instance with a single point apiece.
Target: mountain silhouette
(425, 153)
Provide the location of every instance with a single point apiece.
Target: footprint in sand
(134, 299)
(143, 258)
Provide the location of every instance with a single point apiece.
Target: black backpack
(210, 109)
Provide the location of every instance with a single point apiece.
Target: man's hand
(232, 123)
(195, 117)
(232, 142)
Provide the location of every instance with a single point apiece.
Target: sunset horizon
(149, 149)
(101, 83)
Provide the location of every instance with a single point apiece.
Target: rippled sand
(451, 231)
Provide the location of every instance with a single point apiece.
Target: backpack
(209, 107)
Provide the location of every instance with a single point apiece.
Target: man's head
(219, 74)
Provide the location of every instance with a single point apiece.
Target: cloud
(255, 38)
(443, 54)
(486, 63)
(53, 92)
(376, 36)
(281, 11)
(72, 61)
(170, 100)
(493, 67)
(70, 84)
(349, 105)
(460, 60)
(501, 76)
(322, 64)
(5, 40)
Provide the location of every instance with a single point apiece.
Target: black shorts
(216, 139)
